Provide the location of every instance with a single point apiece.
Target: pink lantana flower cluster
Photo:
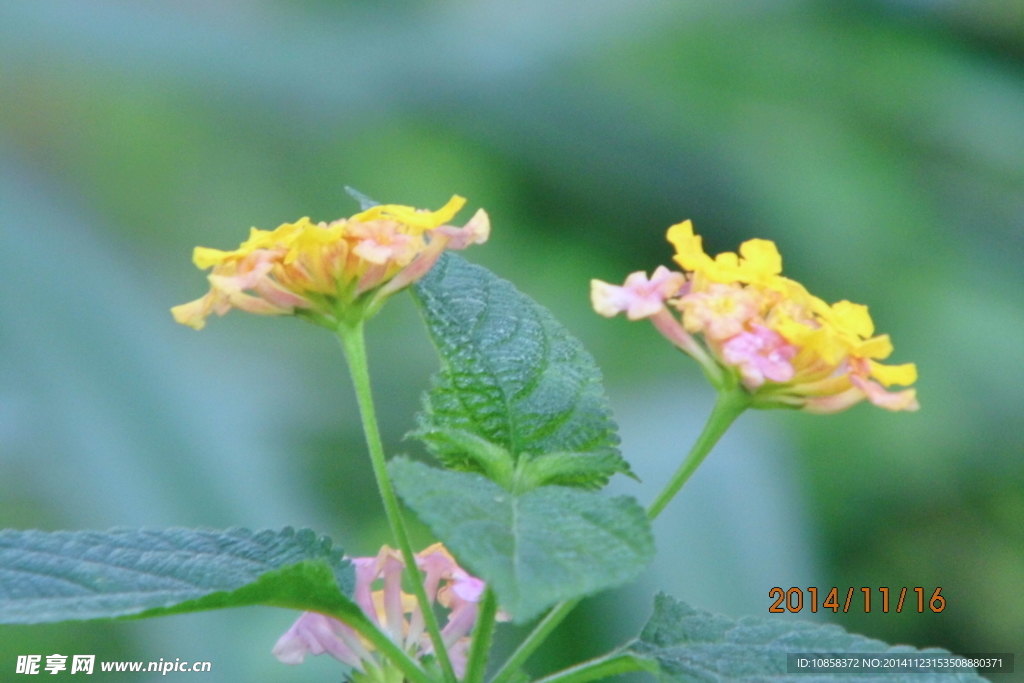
(744, 322)
(396, 613)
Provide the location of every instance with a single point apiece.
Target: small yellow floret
(761, 259)
(888, 375)
(689, 250)
(758, 261)
(204, 257)
(854, 318)
(420, 220)
(879, 348)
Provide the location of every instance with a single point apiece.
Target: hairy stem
(729, 405)
(601, 667)
(537, 636)
(354, 344)
(481, 646)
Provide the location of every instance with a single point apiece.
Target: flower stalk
(601, 667)
(353, 342)
(482, 635)
(729, 405)
(536, 637)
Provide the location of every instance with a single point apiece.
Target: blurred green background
(879, 144)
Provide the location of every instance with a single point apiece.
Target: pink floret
(760, 355)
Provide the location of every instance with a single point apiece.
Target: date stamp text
(795, 599)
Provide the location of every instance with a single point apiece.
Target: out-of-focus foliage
(880, 144)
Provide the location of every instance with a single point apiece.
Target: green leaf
(692, 645)
(510, 375)
(56, 576)
(582, 470)
(475, 454)
(536, 548)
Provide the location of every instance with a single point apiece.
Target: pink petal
(639, 297)
(760, 355)
(460, 622)
(476, 231)
(315, 634)
(416, 268)
(436, 565)
(366, 574)
(836, 403)
(459, 653)
(279, 296)
(468, 587)
(890, 400)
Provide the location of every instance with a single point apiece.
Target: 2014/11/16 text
(792, 600)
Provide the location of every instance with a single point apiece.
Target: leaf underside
(693, 646)
(549, 544)
(511, 375)
(57, 576)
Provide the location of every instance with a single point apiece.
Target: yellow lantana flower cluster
(329, 272)
(785, 346)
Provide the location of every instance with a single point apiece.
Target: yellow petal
(411, 217)
(828, 345)
(761, 257)
(262, 239)
(689, 251)
(854, 318)
(725, 268)
(194, 313)
(888, 375)
(879, 347)
(205, 257)
(792, 290)
(303, 236)
(794, 331)
(442, 215)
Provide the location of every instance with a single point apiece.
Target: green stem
(385, 646)
(731, 402)
(354, 344)
(537, 636)
(602, 667)
(481, 639)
